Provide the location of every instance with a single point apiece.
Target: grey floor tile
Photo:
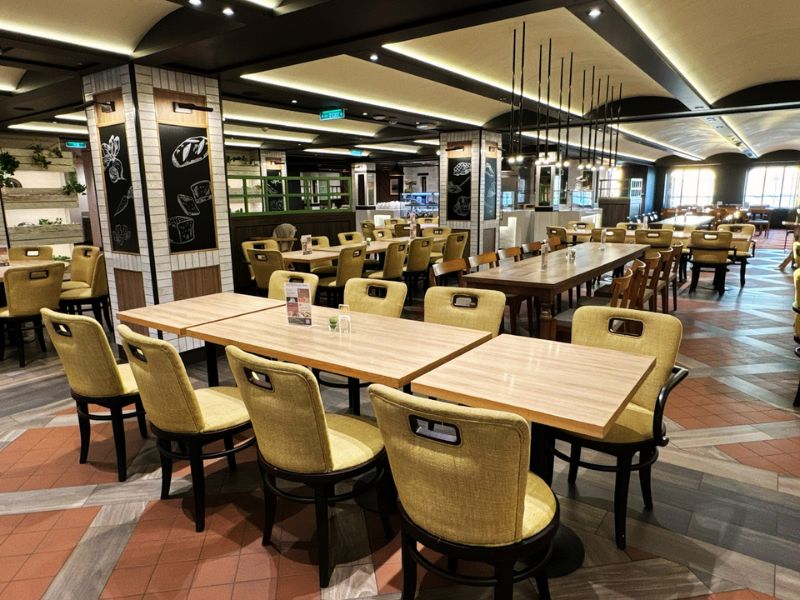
(36, 501)
(787, 584)
(351, 581)
(693, 438)
(716, 584)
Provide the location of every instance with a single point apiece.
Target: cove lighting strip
(51, 128)
(241, 144)
(232, 116)
(339, 151)
(64, 36)
(530, 134)
(282, 137)
(277, 81)
(427, 142)
(403, 149)
(76, 116)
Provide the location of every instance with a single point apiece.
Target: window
(772, 186)
(690, 187)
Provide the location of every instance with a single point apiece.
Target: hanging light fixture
(569, 111)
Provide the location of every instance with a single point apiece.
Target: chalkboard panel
(459, 188)
(187, 188)
(490, 181)
(275, 190)
(119, 189)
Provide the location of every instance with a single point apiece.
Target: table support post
(354, 395)
(542, 445)
(211, 364)
(407, 388)
(547, 322)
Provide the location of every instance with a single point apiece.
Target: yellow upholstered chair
(710, 250)
(428, 220)
(417, 263)
(743, 249)
(557, 237)
(81, 267)
(391, 222)
(585, 230)
(280, 278)
(614, 235)
(30, 253)
(28, 290)
(465, 490)
(465, 307)
(393, 262)
(629, 226)
(382, 233)
(299, 442)
(264, 264)
(438, 246)
(94, 377)
(453, 248)
(266, 244)
(367, 227)
(96, 295)
(655, 238)
(350, 237)
(177, 413)
(323, 268)
(640, 427)
(402, 229)
(350, 265)
(384, 298)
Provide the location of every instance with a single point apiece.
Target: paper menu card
(298, 303)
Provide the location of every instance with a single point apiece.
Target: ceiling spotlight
(196, 2)
(511, 160)
(595, 12)
(373, 57)
(364, 114)
(520, 158)
(294, 101)
(227, 11)
(538, 162)
(566, 163)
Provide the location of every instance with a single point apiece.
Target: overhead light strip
(65, 37)
(241, 144)
(50, 128)
(533, 135)
(78, 117)
(232, 116)
(427, 142)
(271, 136)
(338, 151)
(390, 148)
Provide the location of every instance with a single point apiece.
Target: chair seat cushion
(634, 424)
(4, 312)
(540, 506)
(354, 440)
(375, 275)
(222, 407)
(128, 382)
(327, 282)
(77, 294)
(74, 285)
(324, 271)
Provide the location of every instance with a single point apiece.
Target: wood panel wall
(190, 283)
(130, 293)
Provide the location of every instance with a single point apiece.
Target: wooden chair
(95, 296)
(264, 264)
(301, 443)
(640, 428)
(17, 253)
(385, 298)
(649, 285)
(28, 291)
(439, 271)
(178, 414)
(465, 492)
(417, 263)
(95, 378)
(664, 273)
(674, 276)
(531, 249)
(349, 265)
(280, 278)
(743, 250)
(620, 297)
(710, 250)
(515, 301)
(465, 307)
(557, 237)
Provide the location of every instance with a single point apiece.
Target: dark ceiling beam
(182, 27)
(289, 6)
(33, 65)
(63, 96)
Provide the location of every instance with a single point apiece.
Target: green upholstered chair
(94, 377)
(178, 414)
(299, 442)
(465, 491)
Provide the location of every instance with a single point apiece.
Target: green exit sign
(75, 144)
(332, 114)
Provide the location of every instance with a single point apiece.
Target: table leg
(786, 262)
(211, 364)
(354, 395)
(547, 322)
(568, 550)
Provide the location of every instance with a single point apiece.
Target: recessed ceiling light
(373, 57)
(594, 12)
(227, 11)
(364, 114)
(294, 101)
(196, 2)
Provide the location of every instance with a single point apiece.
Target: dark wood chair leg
(166, 468)
(543, 585)
(107, 314)
(695, 279)
(85, 429)
(504, 588)
(452, 564)
(98, 316)
(675, 294)
(198, 485)
(407, 545)
(645, 481)
(270, 508)
(141, 418)
(742, 272)
(20, 342)
(118, 427)
(321, 508)
(385, 503)
(529, 302)
(574, 458)
(228, 441)
(621, 498)
(39, 327)
(513, 310)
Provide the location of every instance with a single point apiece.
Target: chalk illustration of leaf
(124, 201)
(110, 161)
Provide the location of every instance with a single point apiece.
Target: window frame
(782, 200)
(684, 199)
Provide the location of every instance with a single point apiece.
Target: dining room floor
(726, 522)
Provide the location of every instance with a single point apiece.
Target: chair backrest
(99, 283)
(286, 412)
(556, 232)
(667, 256)
(655, 238)
(486, 258)
(265, 263)
(30, 289)
(796, 305)
(319, 241)
(257, 245)
(419, 255)
(376, 297)
(472, 461)
(532, 248)
(394, 221)
(402, 229)
(638, 332)
(796, 252)
(454, 246)
(614, 235)
(394, 260)
(351, 263)
(439, 271)
(465, 307)
(367, 227)
(83, 263)
(30, 253)
(619, 289)
(434, 220)
(350, 237)
(742, 246)
(514, 253)
(633, 296)
(166, 392)
(280, 278)
(629, 226)
(710, 247)
(579, 225)
(284, 230)
(436, 231)
(645, 281)
(84, 351)
(382, 232)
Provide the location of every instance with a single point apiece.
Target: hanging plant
(56, 152)
(8, 164)
(39, 157)
(73, 185)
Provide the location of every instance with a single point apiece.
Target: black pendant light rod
(539, 104)
(609, 153)
(521, 94)
(605, 116)
(569, 106)
(596, 133)
(619, 114)
(513, 90)
(591, 117)
(560, 98)
(583, 101)
(547, 105)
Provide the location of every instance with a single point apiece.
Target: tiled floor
(726, 524)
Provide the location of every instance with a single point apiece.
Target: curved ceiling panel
(769, 131)
(112, 25)
(268, 133)
(691, 136)
(357, 80)
(723, 46)
(252, 113)
(627, 148)
(483, 53)
(9, 78)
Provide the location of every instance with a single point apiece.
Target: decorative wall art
(119, 188)
(459, 187)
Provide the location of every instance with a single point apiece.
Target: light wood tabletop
(528, 278)
(22, 263)
(576, 388)
(379, 349)
(178, 316)
(316, 256)
(375, 246)
(695, 220)
(630, 235)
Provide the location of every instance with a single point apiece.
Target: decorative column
(159, 172)
(469, 183)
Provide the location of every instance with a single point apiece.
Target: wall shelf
(66, 233)
(37, 198)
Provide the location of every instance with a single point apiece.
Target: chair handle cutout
(437, 431)
(62, 329)
(464, 301)
(377, 291)
(137, 353)
(39, 274)
(624, 326)
(257, 379)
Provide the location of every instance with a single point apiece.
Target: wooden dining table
(178, 316)
(579, 389)
(528, 277)
(317, 255)
(695, 220)
(379, 349)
